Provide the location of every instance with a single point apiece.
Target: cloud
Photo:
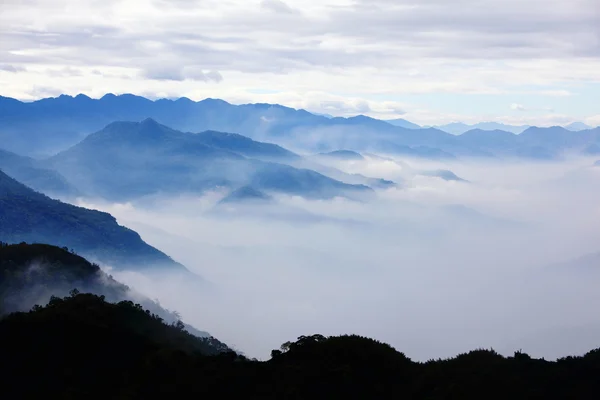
(277, 6)
(521, 107)
(593, 121)
(197, 74)
(63, 72)
(378, 51)
(401, 268)
(163, 72)
(12, 68)
(178, 73)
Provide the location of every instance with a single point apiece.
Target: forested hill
(84, 347)
(30, 274)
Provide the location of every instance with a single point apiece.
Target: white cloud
(593, 121)
(371, 51)
(413, 267)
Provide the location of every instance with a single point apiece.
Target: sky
(430, 61)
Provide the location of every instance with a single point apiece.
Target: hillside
(346, 155)
(73, 346)
(31, 173)
(29, 216)
(31, 274)
(132, 159)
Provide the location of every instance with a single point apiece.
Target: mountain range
(133, 159)
(32, 173)
(48, 126)
(458, 128)
(29, 216)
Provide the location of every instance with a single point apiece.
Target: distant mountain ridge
(29, 216)
(133, 159)
(47, 126)
(33, 174)
(459, 128)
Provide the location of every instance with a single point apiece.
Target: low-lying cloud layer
(433, 267)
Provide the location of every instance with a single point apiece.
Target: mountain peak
(246, 194)
(344, 154)
(149, 122)
(577, 126)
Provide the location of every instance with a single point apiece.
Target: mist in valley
(432, 266)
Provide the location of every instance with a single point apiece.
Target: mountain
(346, 155)
(32, 273)
(132, 159)
(245, 194)
(75, 345)
(443, 174)
(323, 115)
(537, 143)
(47, 126)
(31, 173)
(458, 128)
(244, 146)
(577, 126)
(29, 216)
(402, 123)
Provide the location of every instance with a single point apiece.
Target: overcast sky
(429, 61)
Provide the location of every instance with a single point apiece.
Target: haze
(434, 268)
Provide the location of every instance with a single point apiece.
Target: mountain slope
(32, 174)
(29, 216)
(75, 345)
(458, 128)
(133, 159)
(577, 126)
(403, 123)
(245, 146)
(345, 155)
(31, 273)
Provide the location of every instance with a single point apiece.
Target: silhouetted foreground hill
(84, 347)
(31, 274)
(28, 216)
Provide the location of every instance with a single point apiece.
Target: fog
(432, 267)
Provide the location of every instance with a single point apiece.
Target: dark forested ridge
(84, 347)
(29, 216)
(31, 274)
